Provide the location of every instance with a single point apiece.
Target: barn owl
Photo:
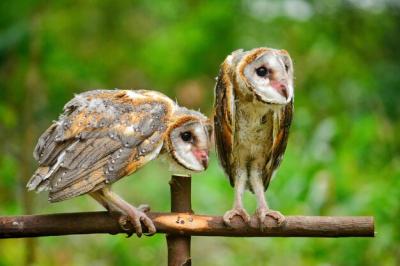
(253, 113)
(104, 135)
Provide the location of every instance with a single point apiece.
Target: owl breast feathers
(104, 135)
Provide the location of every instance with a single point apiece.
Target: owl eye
(262, 71)
(186, 136)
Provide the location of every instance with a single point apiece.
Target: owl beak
(202, 157)
(280, 87)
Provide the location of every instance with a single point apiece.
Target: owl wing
(101, 137)
(274, 158)
(224, 121)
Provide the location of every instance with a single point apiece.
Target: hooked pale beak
(202, 157)
(280, 87)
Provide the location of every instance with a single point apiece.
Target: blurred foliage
(343, 155)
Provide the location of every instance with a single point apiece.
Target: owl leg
(238, 210)
(134, 215)
(97, 195)
(263, 210)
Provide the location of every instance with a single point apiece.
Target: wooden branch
(184, 224)
(181, 201)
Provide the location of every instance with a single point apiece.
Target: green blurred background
(343, 154)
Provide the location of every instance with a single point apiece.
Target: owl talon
(123, 221)
(136, 217)
(228, 216)
(262, 213)
(149, 224)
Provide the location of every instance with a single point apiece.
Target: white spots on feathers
(130, 130)
(112, 135)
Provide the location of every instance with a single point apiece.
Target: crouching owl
(104, 135)
(253, 113)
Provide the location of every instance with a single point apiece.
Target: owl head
(188, 140)
(265, 73)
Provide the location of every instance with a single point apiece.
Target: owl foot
(242, 213)
(262, 213)
(136, 216)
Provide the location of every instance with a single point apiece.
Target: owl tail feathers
(39, 181)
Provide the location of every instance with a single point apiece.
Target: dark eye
(186, 136)
(262, 71)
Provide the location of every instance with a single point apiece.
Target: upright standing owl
(253, 113)
(104, 135)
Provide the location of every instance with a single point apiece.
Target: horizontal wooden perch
(184, 224)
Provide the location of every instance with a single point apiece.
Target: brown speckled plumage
(253, 113)
(104, 135)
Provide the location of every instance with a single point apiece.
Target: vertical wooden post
(178, 245)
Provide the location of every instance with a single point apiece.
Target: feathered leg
(98, 196)
(263, 210)
(238, 210)
(112, 201)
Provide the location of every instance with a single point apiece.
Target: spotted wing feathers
(101, 137)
